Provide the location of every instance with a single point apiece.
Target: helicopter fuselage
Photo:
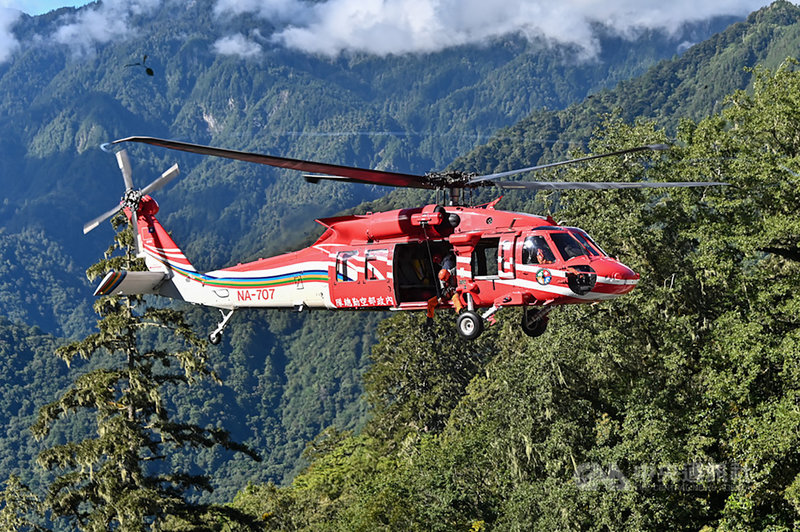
(390, 261)
(469, 258)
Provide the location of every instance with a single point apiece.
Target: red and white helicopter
(390, 260)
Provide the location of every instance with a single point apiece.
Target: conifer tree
(119, 478)
(17, 506)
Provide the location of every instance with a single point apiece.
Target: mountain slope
(691, 86)
(286, 376)
(687, 87)
(413, 112)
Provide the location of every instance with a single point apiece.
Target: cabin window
(376, 260)
(346, 269)
(536, 251)
(567, 245)
(484, 258)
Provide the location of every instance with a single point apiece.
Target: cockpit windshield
(587, 246)
(567, 245)
(586, 240)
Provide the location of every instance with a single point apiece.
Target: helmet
(437, 258)
(444, 275)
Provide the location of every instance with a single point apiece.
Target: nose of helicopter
(613, 277)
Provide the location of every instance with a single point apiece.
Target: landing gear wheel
(535, 328)
(469, 325)
(215, 338)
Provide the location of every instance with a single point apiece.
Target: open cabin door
(416, 269)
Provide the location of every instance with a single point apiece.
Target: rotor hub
(449, 180)
(131, 199)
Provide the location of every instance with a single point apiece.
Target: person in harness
(447, 286)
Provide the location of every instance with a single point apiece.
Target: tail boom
(294, 280)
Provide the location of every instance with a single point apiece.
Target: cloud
(385, 27)
(237, 44)
(276, 10)
(100, 24)
(8, 42)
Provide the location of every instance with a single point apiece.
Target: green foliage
(38, 283)
(17, 503)
(288, 377)
(416, 374)
(112, 480)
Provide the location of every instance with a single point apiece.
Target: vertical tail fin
(160, 252)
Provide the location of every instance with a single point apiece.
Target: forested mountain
(287, 377)
(690, 86)
(60, 103)
(693, 86)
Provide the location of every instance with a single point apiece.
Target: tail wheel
(469, 325)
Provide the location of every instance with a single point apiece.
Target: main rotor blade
(316, 178)
(162, 181)
(491, 177)
(100, 219)
(361, 175)
(601, 185)
(125, 166)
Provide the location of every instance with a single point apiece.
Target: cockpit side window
(567, 246)
(536, 251)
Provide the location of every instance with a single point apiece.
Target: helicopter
(389, 260)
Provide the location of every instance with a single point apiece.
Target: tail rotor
(133, 196)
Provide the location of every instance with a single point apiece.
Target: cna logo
(544, 276)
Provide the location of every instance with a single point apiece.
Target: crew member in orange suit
(447, 287)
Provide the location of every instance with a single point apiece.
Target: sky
(379, 27)
(37, 7)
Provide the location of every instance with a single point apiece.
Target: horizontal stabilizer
(129, 283)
